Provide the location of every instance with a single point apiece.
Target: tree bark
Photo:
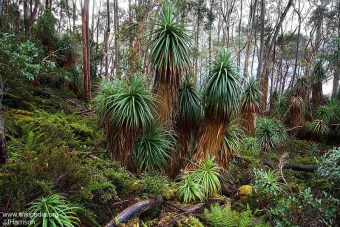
(134, 210)
(267, 59)
(297, 42)
(259, 68)
(3, 150)
(106, 41)
(249, 38)
(86, 50)
(335, 89)
(116, 44)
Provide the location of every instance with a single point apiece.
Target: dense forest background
(169, 113)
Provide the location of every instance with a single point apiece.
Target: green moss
(303, 160)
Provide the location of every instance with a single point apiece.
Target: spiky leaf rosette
(221, 97)
(330, 112)
(188, 118)
(152, 148)
(318, 76)
(281, 107)
(269, 133)
(207, 175)
(58, 212)
(125, 108)
(232, 141)
(318, 128)
(169, 57)
(250, 105)
(190, 190)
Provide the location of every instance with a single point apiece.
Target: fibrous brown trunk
(86, 50)
(211, 133)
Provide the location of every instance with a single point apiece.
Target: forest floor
(55, 145)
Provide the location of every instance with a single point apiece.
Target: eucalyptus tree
(221, 98)
(169, 57)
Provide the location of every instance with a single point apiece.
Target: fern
(218, 217)
(226, 217)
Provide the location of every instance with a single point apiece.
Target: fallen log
(303, 168)
(165, 222)
(134, 210)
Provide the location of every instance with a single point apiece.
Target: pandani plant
(56, 210)
(187, 122)
(169, 57)
(152, 149)
(125, 108)
(295, 115)
(221, 99)
(232, 140)
(250, 106)
(318, 76)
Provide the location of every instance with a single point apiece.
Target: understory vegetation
(164, 148)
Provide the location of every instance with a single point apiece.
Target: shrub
(266, 182)
(304, 209)
(329, 166)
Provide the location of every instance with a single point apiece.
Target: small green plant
(313, 149)
(251, 145)
(207, 175)
(54, 210)
(266, 182)
(269, 133)
(189, 190)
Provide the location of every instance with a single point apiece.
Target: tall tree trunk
(1, 2)
(26, 19)
(239, 37)
(74, 14)
(86, 50)
(249, 38)
(335, 89)
(259, 68)
(297, 42)
(197, 39)
(267, 58)
(116, 44)
(3, 151)
(106, 41)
